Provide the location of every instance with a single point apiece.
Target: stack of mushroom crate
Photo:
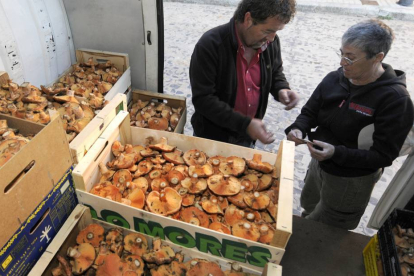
(37, 192)
(87, 96)
(158, 111)
(229, 201)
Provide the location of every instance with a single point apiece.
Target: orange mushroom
(101, 254)
(257, 164)
(233, 166)
(160, 254)
(144, 167)
(194, 216)
(194, 185)
(205, 269)
(158, 123)
(106, 174)
(174, 157)
(112, 266)
(163, 146)
(233, 215)
(257, 201)
(114, 238)
(224, 186)
(264, 182)
(195, 157)
(188, 200)
(246, 230)
(136, 243)
(63, 268)
(135, 266)
(82, 257)
(174, 268)
(107, 190)
(140, 183)
(164, 203)
(205, 170)
(266, 233)
(238, 199)
(158, 159)
(159, 184)
(175, 177)
(93, 234)
(249, 182)
(137, 198)
(220, 227)
(121, 178)
(212, 206)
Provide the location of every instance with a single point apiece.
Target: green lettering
(114, 218)
(151, 228)
(180, 236)
(94, 214)
(207, 244)
(234, 250)
(259, 256)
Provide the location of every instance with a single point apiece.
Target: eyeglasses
(347, 60)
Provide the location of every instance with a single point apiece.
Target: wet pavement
(308, 49)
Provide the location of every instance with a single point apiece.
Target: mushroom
(117, 148)
(102, 252)
(163, 146)
(211, 206)
(224, 186)
(188, 200)
(140, 183)
(220, 227)
(174, 268)
(63, 268)
(158, 159)
(249, 182)
(164, 203)
(107, 190)
(264, 182)
(121, 178)
(257, 164)
(194, 185)
(233, 215)
(82, 257)
(159, 184)
(148, 152)
(194, 216)
(158, 123)
(194, 157)
(246, 230)
(112, 265)
(106, 175)
(272, 210)
(266, 233)
(144, 167)
(205, 170)
(160, 254)
(257, 201)
(174, 157)
(114, 238)
(136, 243)
(175, 177)
(205, 268)
(238, 199)
(137, 198)
(409, 258)
(93, 234)
(135, 266)
(233, 166)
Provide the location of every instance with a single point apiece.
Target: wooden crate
(121, 62)
(81, 217)
(87, 174)
(171, 100)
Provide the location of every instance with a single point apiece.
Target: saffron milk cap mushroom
(224, 186)
(233, 166)
(256, 200)
(257, 164)
(195, 157)
(93, 234)
(246, 230)
(82, 257)
(164, 203)
(135, 243)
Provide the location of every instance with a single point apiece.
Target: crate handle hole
(17, 179)
(100, 60)
(37, 224)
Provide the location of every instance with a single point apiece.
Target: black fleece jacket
(213, 78)
(384, 103)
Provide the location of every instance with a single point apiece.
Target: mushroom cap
(112, 266)
(257, 164)
(195, 157)
(135, 265)
(93, 234)
(163, 146)
(409, 258)
(205, 269)
(205, 170)
(148, 152)
(124, 161)
(234, 166)
(174, 157)
(135, 243)
(249, 182)
(266, 233)
(238, 199)
(212, 207)
(265, 182)
(257, 201)
(194, 185)
(137, 198)
(175, 177)
(165, 203)
(194, 216)
(188, 199)
(220, 227)
(233, 215)
(144, 167)
(223, 186)
(141, 183)
(158, 159)
(174, 268)
(160, 254)
(83, 257)
(121, 178)
(158, 123)
(246, 230)
(155, 174)
(215, 162)
(107, 190)
(272, 210)
(159, 184)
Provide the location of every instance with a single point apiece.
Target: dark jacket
(213, 79)
(384, 103)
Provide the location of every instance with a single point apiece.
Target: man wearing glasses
(363, 94)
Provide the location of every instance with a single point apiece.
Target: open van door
(135, 27)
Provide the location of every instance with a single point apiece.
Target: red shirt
(248, 81)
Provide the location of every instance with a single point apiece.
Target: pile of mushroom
(226, 194)
(154, 115)
(404, 240)
(77, 96)
(111, 253)
(10, 142)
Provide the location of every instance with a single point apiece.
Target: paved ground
(308, 44)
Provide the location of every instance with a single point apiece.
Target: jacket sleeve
(308, 117)
(203, 76)
(278, 77)
(392, 124)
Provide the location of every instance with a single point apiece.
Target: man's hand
(293, 135)
(257, 131)
(325, 153)
(289, 98)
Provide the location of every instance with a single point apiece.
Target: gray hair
(261, 10)
(371, 36)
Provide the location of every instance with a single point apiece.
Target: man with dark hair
(233, 69)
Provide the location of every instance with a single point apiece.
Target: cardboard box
(252, 254)
(81, 217)
(28, 243)
(171, 100)
(23, 186)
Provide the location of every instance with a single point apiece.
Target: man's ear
(248, 20)
(380, 56)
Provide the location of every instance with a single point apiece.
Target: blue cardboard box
(25, 247)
